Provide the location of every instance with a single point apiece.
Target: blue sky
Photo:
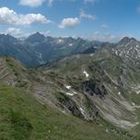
(105, 20)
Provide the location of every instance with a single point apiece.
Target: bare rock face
(6, 74)
(101, 93)
(12, 72)
(129, 50)
(94, 88)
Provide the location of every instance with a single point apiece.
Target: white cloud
(35, 3)
(32, 3)
(8, 16)
(87, 16)
(14, 31)
(50, 2)
(46, 33)
(105, 37)
(19, 33)
(69, 22)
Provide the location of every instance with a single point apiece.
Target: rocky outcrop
(94, 88)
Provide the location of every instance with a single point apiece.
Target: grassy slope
(22, 118)
(136, 99)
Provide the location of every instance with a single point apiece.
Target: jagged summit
(7, 38)
(37, 49)
(36, 37)
(126, 40)
(129, 50)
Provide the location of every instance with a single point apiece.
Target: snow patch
(119, 93)
(68, 87)
(86, 74)
(133, 104)
(138, 92)
(60, 41)
(82, 111)
(92, 54)
(69, 94)
(40, 57)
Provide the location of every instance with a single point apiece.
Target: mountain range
(37, 49)
(66, 88)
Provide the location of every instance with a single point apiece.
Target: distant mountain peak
(126, 40)
(36, 37)
(7, 38)
(38, 34)
(129, 50)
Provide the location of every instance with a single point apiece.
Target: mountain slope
(22, 117)
(101, 87)
(40, 122)
(89, 79)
